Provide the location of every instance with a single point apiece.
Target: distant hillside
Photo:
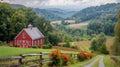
(54, 13)
(92, 13)
(17, 5)
(49, 15)
(61, 12)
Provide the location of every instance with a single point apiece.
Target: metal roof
(34, 33)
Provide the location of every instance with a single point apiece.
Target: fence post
(20, 60)
(40, 62)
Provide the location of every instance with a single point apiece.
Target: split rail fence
(28, 60)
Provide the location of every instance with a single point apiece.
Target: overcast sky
(70, 4)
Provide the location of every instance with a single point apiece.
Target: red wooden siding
(23, 40)
(38, 42)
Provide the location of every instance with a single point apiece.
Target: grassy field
(108, 62)
(6, 51)
(77, 25)
(85, 45)
(82, 45)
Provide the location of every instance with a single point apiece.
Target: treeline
(73, 34)
(104, 24)
(13, 20)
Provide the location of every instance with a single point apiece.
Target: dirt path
(90, 64)
(101, 64)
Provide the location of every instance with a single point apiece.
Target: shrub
(65, 59)
(35, 46)
(3, 43)
(84, 55)
(81, 56)
(58, 59)
(47, 46)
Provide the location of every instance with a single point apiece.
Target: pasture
(85, 45)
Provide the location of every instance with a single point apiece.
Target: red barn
(29, 37)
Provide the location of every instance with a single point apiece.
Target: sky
(64, 4)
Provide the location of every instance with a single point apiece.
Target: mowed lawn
(6, 51)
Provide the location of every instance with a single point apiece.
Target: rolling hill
(49, 15)
(93, 13)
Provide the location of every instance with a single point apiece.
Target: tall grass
(107, 62)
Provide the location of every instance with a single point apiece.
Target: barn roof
(34, 33)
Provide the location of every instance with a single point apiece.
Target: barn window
(23, 35)
(18, 42)
(28, 43)
(41, 41)
(34, 42)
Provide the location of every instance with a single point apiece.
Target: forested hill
(91, 13)
(54, 13)
(17, 6)
(49, 15)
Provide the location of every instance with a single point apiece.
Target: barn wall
(23, 41)
(39, 42)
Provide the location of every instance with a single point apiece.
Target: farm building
(29, 37)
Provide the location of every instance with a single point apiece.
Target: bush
(84, 55)
(3, 43)
(58, 59)
(47, 46)
(81, 56)
(35, 46)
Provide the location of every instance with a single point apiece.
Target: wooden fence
(28, 60)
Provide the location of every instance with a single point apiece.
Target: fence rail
(38, 60)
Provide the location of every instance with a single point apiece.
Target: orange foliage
(60, 56)
(66, 56)
(85, 54)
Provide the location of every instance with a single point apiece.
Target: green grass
(11, 51)
(107, 62)
(81, 64)
(6, 51)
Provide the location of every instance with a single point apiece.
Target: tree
(96, 26)
(115, 48)
(6, 30)
(98, 44)
(29, 13)
(94, 45)
(19, 21)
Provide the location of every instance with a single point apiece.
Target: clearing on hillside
(82, 24)
(85, 45)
